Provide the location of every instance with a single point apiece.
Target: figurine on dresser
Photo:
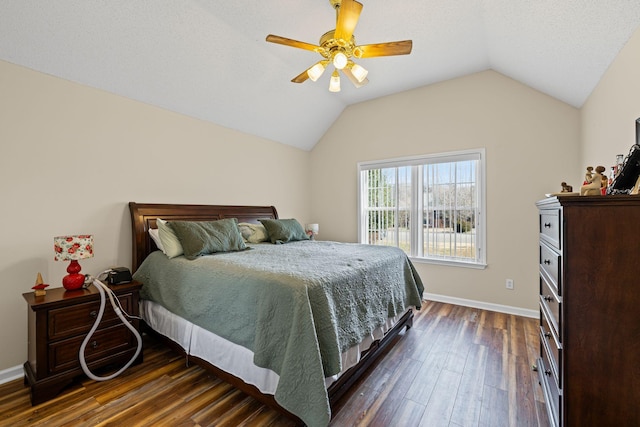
(593, 187)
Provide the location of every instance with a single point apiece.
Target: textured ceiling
(209, 59)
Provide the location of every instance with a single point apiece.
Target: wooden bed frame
(143, 217)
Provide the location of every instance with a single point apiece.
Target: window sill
(450, 263)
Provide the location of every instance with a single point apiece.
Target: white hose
(116, 307)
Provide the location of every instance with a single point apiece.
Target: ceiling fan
(338, 46)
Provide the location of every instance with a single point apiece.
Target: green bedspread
(297, 306)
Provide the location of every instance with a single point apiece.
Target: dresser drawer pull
(546, 261)
(547, 335)
(93, 314)
(547, 372)
(547, 225)
(547, 298)
(94, 344)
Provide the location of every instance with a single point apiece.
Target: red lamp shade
(73, 248)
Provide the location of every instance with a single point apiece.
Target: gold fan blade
(290, 42)
(348, 15)
(301, 78)
(384, 49)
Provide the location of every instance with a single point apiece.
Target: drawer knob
(547, 372)
(547, 335)
(93, 314)
(547, 225)
(546, 261)
(94, 344)
(547, 298)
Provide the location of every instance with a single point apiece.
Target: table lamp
(312, 230)
(73, 248)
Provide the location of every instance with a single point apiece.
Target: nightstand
(59, 322)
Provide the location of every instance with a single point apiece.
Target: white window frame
(416, 195)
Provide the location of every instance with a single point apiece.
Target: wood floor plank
(440, 406)
(468, 402)
(409, 413)
(457, 366)
(495, 408)
(382, 410)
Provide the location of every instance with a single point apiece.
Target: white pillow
(253, 233)
(154, 233)
(170, 242)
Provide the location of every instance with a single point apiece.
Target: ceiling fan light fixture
(316, 71)
(340, 60)
(334, 83)
(359, 72)
(338, 46)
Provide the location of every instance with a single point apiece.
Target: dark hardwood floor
(457, 367)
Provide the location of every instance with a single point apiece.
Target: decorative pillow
(253, 233)
(284, 230)
(206, 237)
(169, 240)
(154, 233)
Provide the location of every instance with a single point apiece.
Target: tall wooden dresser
(589, 365)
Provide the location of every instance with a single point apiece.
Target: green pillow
(207, 237)
(284, 230)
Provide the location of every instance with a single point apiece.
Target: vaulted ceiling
(208, 58)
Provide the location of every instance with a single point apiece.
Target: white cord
(118, 309)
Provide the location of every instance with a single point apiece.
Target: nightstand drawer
(78, 319)
(63, 355)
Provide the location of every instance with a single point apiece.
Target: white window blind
(431, 206)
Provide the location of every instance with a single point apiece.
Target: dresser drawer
(78, 319)
(550, 262)
(551, 346)
(550, 227)
(552, 396)
(63, 355)
(552, 304)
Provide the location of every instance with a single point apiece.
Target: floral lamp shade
(73, 248)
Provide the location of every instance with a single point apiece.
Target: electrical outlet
(509, 284)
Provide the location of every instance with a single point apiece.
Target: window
(431, 206)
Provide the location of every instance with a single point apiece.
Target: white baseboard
(11, 374)
(484, 305)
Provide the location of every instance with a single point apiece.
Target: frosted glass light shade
(316, 71)
(339, 60)
(334, 84)
(360, 73)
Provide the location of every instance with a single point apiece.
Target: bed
(299, 304)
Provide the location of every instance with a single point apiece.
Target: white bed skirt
(233, 358)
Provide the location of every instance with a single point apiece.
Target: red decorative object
(73, 280)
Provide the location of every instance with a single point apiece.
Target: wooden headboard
(143, 217)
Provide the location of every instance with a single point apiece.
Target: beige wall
(609, 115)
(123, 150)
(531, 142)
(71, 157)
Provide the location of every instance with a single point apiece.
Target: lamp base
(74, 280)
